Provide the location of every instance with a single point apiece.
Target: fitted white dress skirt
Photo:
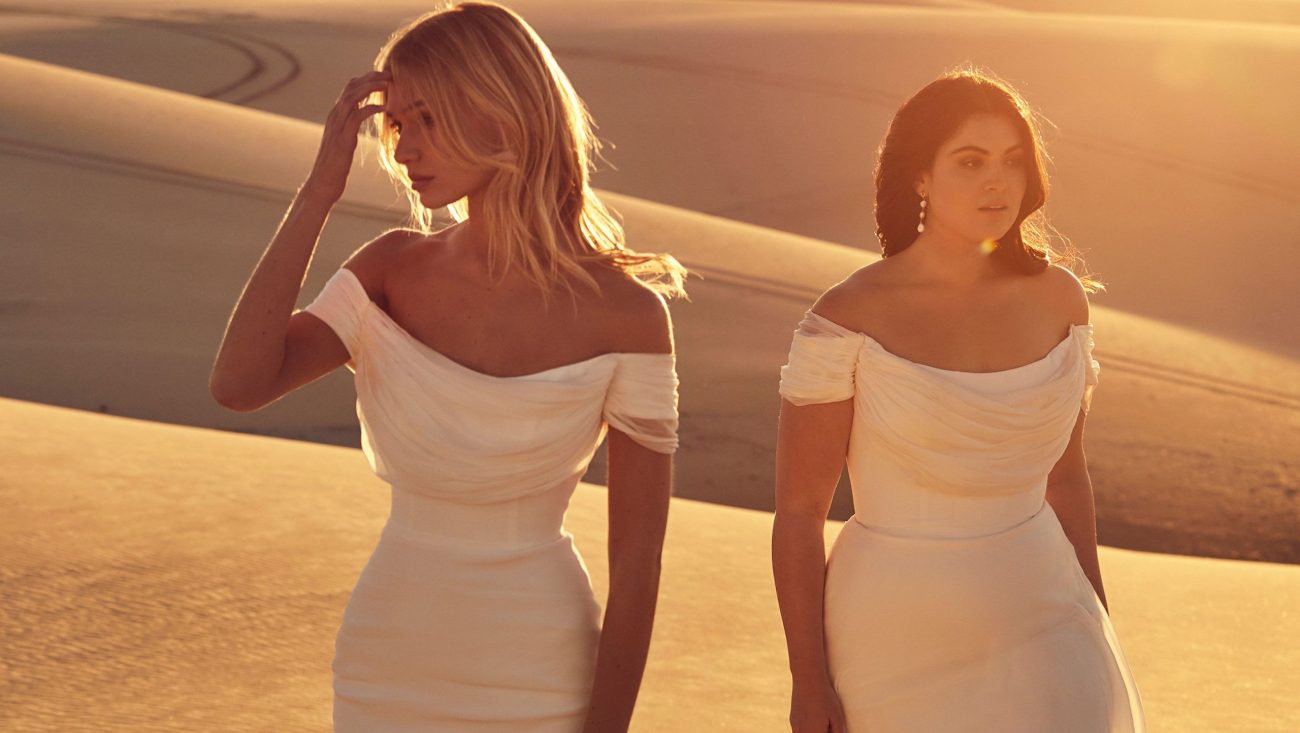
(1001, 632)
(442, 634)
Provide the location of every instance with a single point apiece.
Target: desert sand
(133, 215)
(169, 578)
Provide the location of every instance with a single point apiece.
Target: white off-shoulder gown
(954, 601)
(475, 612)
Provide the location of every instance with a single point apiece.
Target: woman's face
(977, 180)
(438, 176)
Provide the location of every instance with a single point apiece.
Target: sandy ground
(169, 578)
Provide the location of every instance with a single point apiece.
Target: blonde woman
(954, 376)
(490, 359)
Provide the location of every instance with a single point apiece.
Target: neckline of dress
(417, 343)
(1069, 336)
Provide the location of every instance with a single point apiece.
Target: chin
(997, 236)
(435, 202)
(979, 237)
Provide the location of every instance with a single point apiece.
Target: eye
(394, 125)
(427, 119)
(971, 163)
(1016, 162)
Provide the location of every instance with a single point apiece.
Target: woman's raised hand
(338, 145)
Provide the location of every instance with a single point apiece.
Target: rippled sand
(168, 578)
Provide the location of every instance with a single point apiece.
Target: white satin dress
(954, 601)
(475, 612)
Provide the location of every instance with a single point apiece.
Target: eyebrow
(978, 149)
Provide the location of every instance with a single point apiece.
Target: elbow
(230, 396)
(793, 531)
(799, 517)
(636, 587)
(1073, 487)
(640, 567)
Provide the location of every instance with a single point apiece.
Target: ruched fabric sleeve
(822, 364)
(340, 305)
(642, 400)
(1091, 369)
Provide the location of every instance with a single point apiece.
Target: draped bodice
(936, 452)
(440, 431)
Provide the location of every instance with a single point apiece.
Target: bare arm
(640, 488)
(1069, 488)
(265, 353)
(812, 441)
(1069, 491)
(640, 485)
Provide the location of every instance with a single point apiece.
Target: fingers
(360, 87)
(370, 78)
(827, 723)
(368, 83)
(359, 115)
(351, 109)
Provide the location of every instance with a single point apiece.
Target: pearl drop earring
(920, 226)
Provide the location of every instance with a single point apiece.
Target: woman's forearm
(624, 643)
(1073, 504)
(799, 568)
(252, 349)
(640, 487)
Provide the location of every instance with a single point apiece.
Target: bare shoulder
(634, 316)
(850, 301)
(372, 260)
(1062, 291)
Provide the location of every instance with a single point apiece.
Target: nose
(405, 152)
(996, 179)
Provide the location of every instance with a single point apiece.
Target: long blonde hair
(542, 217)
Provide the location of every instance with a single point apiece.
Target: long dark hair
(922, 125)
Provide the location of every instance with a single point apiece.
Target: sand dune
(167, 578)
(120, 308)
(159, 577)
(1175, 154)
(1285, 12)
